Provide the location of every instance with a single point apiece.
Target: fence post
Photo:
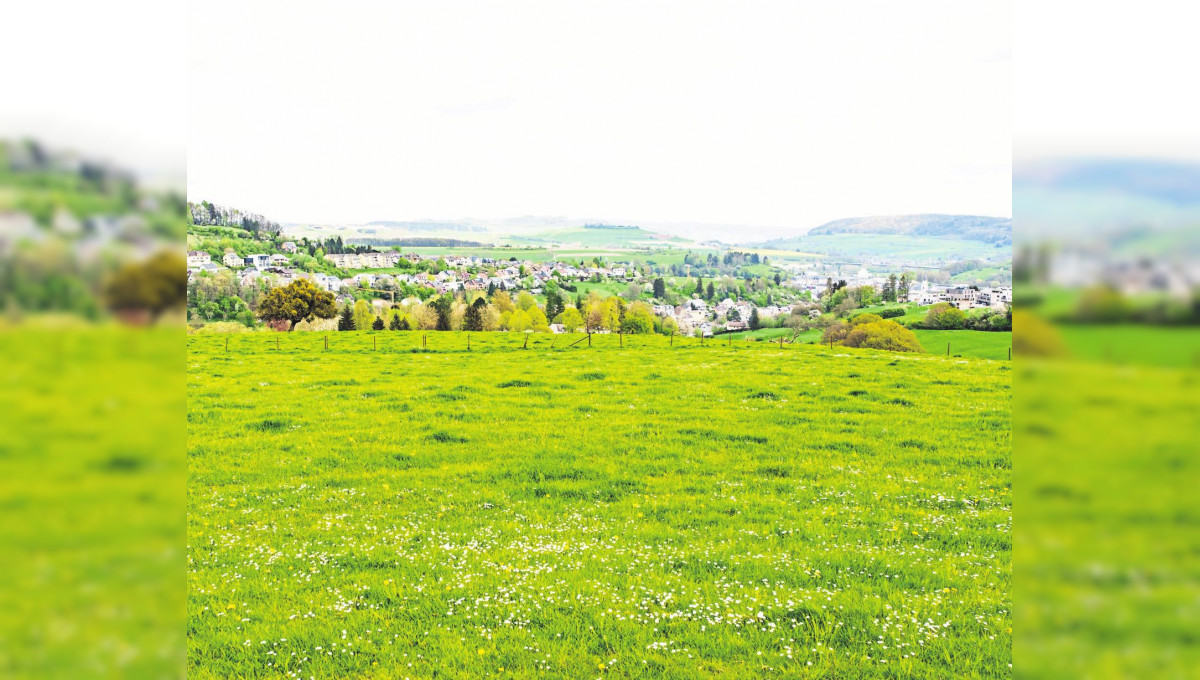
(621, 338)
(672, 338)
(277, 342)
(1010, 353)
(326, 342)
(226, 343)
(947, 349)
(375, 342)
(468, 342)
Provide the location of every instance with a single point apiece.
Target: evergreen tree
(902, 287)
(699, 287)
(554, 305)
(491, 289)
(377, 324)
(711, 292)
(395, 323)
(346, 320)
(404, 325)
(660, 288)
(473, 319)
(443, 305)
(778, 279)
(755, 322)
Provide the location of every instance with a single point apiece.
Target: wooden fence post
(468, 342)
(326, 342)
(947, 349)
(226, 343)
(1010, 353)
(375, 342)
(277, 342)
(672, 338)
(621, 338)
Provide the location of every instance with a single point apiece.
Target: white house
(198, 258)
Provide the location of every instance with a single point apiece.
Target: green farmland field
(973, 344)
(650, 510)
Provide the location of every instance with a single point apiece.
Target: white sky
(783, 114)
(1105, 79)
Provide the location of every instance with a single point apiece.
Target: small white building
(198, 258)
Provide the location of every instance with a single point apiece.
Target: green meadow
(636, 508)
(973, 344)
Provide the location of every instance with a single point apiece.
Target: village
(802, 286)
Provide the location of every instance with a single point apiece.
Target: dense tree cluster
(212, 215)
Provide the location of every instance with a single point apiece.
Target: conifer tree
(346, 320)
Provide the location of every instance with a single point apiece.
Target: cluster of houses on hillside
(963, 297)
(468, 273)
(922, 292)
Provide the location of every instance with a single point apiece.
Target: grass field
(973, 344)
(651, 511)
(1134, 344)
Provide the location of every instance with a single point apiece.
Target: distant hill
(994, 230)
(426, 225)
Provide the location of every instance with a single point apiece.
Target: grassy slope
(675, 512)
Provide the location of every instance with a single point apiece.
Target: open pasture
(639, 511)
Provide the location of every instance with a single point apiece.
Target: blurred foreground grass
(92, 485)
(1106, 551)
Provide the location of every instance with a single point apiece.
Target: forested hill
(971, 227)
(212, 215)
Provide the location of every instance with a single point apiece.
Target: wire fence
(393, 342)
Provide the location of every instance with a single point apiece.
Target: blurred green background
(1107, 421)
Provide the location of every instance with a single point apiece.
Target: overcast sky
(781, 114)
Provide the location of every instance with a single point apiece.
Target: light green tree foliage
(537, 320)
(639, 318)
(887, 335)
(571, 319)
(363, 315)
(945, 316)
(526, 301)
